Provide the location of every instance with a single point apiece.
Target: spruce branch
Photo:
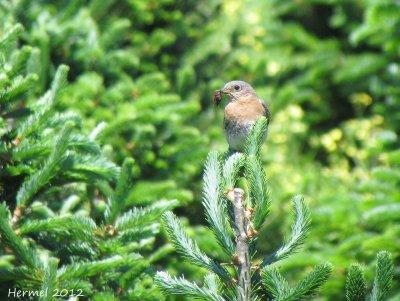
(256, 137)
(278, 287)
(19, 61)
(133, 273)
(60, 80)
(214, 204)
(17, 273)
(27, 149)
(78, 248)
(92, 268)
(137, 233)
(91, 168)
(299, 232)
(81, 143)
(355, 284)
(189, 249)
(42, 177)
(144, 216)
(242, 247)
(46, 103)
(231, 170)
(80, 227)
(383, 277)
(10, 36)
(212, 282)
(49, 279)
(96, 132)
(26, 254)
(79, 284)
(34, 121)
(59, 119)
(308, 286)
(116, 202)
(259, 193)
(275, 283)
(180, 286)
(19, 86)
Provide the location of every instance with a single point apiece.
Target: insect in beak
(218, 97)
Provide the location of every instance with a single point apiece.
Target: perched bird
(242, 111)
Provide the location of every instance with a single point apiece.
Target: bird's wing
(267, 112)
(226, 123)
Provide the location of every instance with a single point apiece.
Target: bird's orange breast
(244, 110)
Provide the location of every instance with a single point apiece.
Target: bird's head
(234, 89)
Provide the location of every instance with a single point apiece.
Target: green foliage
(217, 217)
(141, 76)
(280, 289)
(258, 185)
(26, 254)
(356, 287)
(355, 284)
(383, 278)
(299, 230)
(120, 76)
(71, 227)
(180, 286)
(36, 181)
(189, 249)
(213, 203)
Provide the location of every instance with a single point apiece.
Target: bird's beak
(225, 90)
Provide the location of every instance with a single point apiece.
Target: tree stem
(242, 248)
(17, 214)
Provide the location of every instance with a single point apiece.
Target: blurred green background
(329, 70)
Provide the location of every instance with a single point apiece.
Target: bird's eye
(236, 87)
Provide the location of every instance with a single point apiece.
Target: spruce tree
(147, 67)
(235, 217)
(65, 224)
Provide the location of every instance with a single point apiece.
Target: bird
(241, 112)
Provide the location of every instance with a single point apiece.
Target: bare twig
(17, 214)
(242, 248)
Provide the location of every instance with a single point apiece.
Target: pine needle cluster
(356, 287)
